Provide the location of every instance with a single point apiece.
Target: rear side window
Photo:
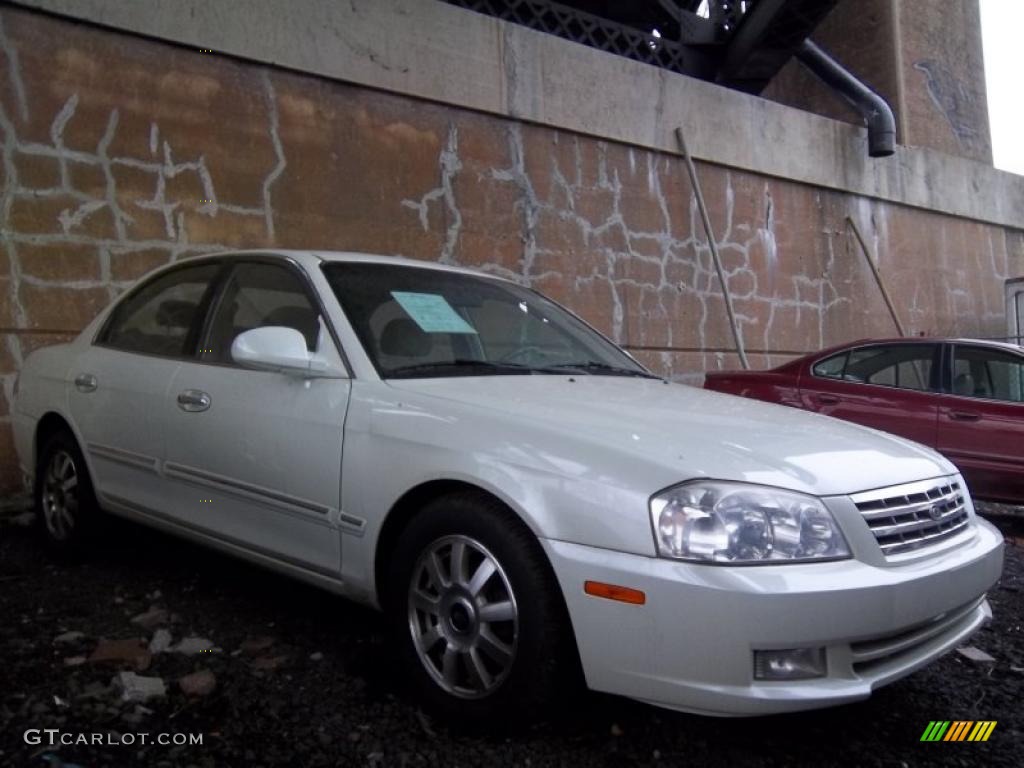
(988, 373)
(161, 318)
(905, 366)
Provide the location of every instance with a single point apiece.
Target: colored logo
(958, 730)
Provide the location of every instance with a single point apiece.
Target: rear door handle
(964, 415)
(827, 399)
(193, 400)
(86, 382)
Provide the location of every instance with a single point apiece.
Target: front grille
(915, 515)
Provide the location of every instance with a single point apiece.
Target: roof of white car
(311, 256)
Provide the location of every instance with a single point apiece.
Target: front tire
(66, 508)
(477, 614)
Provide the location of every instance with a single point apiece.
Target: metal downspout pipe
(873, 108)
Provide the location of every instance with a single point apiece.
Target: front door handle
(193, 400)
(964, 415)
(86, 382)
(827, 399)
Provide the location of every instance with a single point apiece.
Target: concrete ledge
(435, 51)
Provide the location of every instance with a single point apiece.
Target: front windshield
(420, 323)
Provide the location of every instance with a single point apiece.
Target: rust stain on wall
(121, 154)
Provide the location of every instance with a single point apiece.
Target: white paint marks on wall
(449, 166)
(275, 139)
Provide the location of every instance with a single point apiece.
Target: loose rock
(268, 663)
(130, 650)
(161, 641)
(193, 645)
(199, 683)
(137, 688)
(151, 618)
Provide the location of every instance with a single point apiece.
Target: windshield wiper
(458, 367)
(594, 366)
(466, 367)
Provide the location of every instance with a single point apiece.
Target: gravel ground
(302, 678)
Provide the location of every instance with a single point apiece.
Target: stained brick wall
(120, 154)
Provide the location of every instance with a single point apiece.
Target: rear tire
(66, 507)
(478, 616)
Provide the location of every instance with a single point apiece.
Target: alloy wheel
(60, 495)
(463, 617)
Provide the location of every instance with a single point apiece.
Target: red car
(965, 398)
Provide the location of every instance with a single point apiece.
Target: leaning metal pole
(714, 248)
(878, 275)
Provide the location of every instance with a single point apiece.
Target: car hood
(684, 432)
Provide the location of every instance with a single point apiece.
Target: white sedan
(521, 497)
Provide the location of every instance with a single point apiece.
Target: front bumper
(690, 647)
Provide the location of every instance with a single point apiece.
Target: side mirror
(276, 348)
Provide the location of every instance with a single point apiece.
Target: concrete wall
(121, 153)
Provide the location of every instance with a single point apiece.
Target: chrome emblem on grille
(935, 512)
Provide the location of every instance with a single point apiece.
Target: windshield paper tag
(432, 313)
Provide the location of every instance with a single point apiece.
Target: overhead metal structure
(741, 44)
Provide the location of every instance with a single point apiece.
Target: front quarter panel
(395, 441)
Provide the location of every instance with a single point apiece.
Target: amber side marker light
(614, 592)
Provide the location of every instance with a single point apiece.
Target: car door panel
(983, 435)
(910, 413)
(254, 457)
(261, 466)
(986, 442)
(118, 420)
(119, 382)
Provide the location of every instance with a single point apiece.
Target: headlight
(723, 522)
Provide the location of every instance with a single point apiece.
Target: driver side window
(259, 295)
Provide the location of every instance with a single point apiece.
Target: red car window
(831, 367)
(988, 373)
(906, 366)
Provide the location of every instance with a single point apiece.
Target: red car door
(981, 420)
(891, 386)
